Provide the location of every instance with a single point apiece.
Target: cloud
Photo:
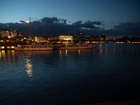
(53, 26)
(77, 24)
(128, 28)
(53, 20)
(87, 24)
(47, 20)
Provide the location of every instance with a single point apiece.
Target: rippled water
(106, 73)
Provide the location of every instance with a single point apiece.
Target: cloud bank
(53, 26)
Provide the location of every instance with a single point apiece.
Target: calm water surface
(106, 73)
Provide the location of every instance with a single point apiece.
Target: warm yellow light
(79, 52)
(12, 46)
(8, 47)
(66, 52)
(2, 47)
(9, 36)
(13, 52)
(0, 55)
(61, 37)
(3, 53)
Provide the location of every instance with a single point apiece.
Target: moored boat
(34, 47)
(76, 47)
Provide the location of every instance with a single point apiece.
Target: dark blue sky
(109, 11)
(92, 17)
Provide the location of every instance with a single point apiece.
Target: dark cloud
(88, 24)
(77, 24)
(47, 20)
(53, 20)
(97, 23)
(54, 26)
(128, 28)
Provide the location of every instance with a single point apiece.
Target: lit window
(8, 46)
(2, 47)
(12, 46)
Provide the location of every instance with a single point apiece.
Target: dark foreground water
(106, 73)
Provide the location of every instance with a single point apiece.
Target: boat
(34, 48)
(76, 47)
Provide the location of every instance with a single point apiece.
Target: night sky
(97, 15)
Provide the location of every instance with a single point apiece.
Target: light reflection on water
(106, 73)
(29, 69)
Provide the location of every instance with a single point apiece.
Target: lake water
(106, 73)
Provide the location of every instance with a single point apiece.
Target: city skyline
(99, 16)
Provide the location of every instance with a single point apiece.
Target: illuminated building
(66, 39)
(40, 39)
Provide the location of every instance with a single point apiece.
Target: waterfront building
(9, 36)
(95, 39)
(40, 39)
(54, 39)
(66, 39)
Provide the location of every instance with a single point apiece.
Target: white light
(27, 21)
